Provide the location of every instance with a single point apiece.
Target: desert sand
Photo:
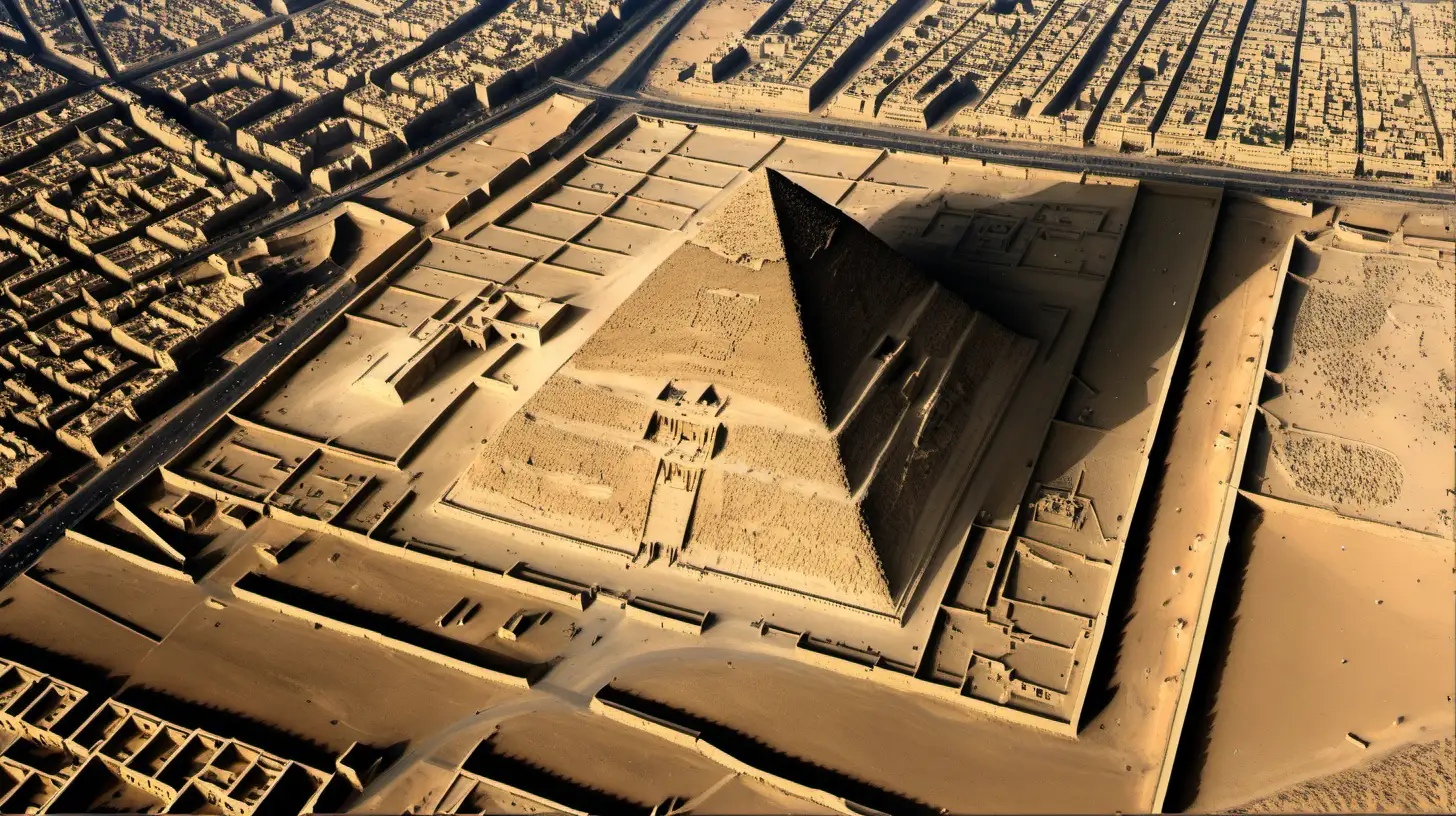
(1364, 421)
(1341, 593)
(1420, 778)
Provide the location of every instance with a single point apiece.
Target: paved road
(1283, 185)
(167, 440)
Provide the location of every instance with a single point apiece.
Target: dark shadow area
(37, 491)
(747, 749)
(962, 266)
(1101, 689)
(224, 723)
(518, 773)
(1197, 737)
(1258, 460)
(1231, 63)
(97, 681)
(1281, 345)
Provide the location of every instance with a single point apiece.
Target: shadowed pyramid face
(775, 401)
(825, 293)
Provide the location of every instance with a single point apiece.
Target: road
(168, 439)
(165, 441)
(1072, 160)
(586, 669)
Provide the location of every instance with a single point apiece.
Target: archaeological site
(674, 407)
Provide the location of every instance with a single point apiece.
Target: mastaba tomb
(785, 400)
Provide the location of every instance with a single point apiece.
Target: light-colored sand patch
(535, 128)
(597, 753)
(520, 244)
(621, 237)
(814, 158)
(154, 603)
(716, 21)
(1342, 472)
(644, 147)
(695, 171)
(421, 596)
(550, 222)
(878, 736)
(597, 178)
(743, 148)
(318, 684)
(575, 198)
(36, 615)
(1336, 631)
(1421, 778)
(444, 184)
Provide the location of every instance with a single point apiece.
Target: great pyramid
(785, 399)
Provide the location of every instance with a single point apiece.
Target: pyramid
(777, 401)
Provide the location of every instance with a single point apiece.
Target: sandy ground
(1135, 705)
(428, 192)
(531, 130)
(1368, 388)
(882, 737)
(31, 613)
(325, 687)
(332, 690)
(154, 603)
(418, 790)
(612, 67)
(743, 794)
(715, 22)
(421, 596)
(594, 752)
(329, 399)
(1419, 778)
(1374, 621)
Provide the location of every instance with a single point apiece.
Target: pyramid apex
(746, 230)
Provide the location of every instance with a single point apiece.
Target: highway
(168, 439)
(1072, 160)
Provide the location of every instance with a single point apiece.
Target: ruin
(726, 406)
(776, 402)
